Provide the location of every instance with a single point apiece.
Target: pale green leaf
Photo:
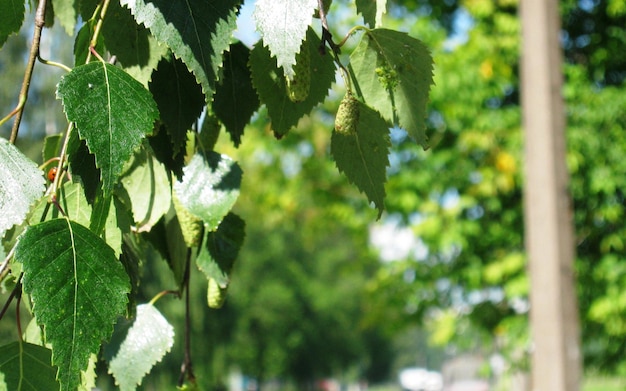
(133, 353)
(21, 184)
(65, 11)
(78, 289)
(88, 376)
(269, 81)
(196, 31)
(283, 25)
(113, 113)
(362, 155)
(27, 367)
(148, 189)
(11, 18)
(393, 73)
(210, 187)
(372, 11)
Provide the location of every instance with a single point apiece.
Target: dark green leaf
(362, 155)
(112, 112)
(269, 82)
(163, 149)
(196, 31)
(78, 288)
(393, 72)
(210, 131)
(21, 184)
(210, 187)
(26, 367)
(82, 42)
(83, 166)
(372, 11)
(235, 98)
(178, 97)
(221, 248)
(11, 18)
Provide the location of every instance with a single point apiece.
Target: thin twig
(327, 37)
(34, 52)
(186, 369)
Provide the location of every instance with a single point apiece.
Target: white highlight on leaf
(283, 25)
(21, 184)
(148, 340)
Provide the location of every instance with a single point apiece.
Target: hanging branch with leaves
(134, 171)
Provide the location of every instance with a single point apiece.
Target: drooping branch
(32, 57)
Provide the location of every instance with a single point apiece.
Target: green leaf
(221, 248)
(139, 347)
(269, 82)
(163, 149)
(178, 97)
(372, 11)
(235, 98)
(362, 155)
(393, 73)
(51, 148)
(283, 25)
(21, 184)
(147, 187)
(210, 187)
(196, 31)
(11, 18)
(78, 288)
(83, 40)
(112, 112)
(27, 367)
(74, 203)
(217, 256)
(133, 45)
(65, 10)
(83, 166)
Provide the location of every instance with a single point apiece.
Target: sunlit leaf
(269, 81)
(393, 72)
(113, 113)
(283, 25)
(210, 187)
(135, 350)
(362, 155)
(78, 288)
(21, 184)
(196, 31)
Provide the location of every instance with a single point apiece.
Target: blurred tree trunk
(556, 359)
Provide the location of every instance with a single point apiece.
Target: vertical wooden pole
(556, 363)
